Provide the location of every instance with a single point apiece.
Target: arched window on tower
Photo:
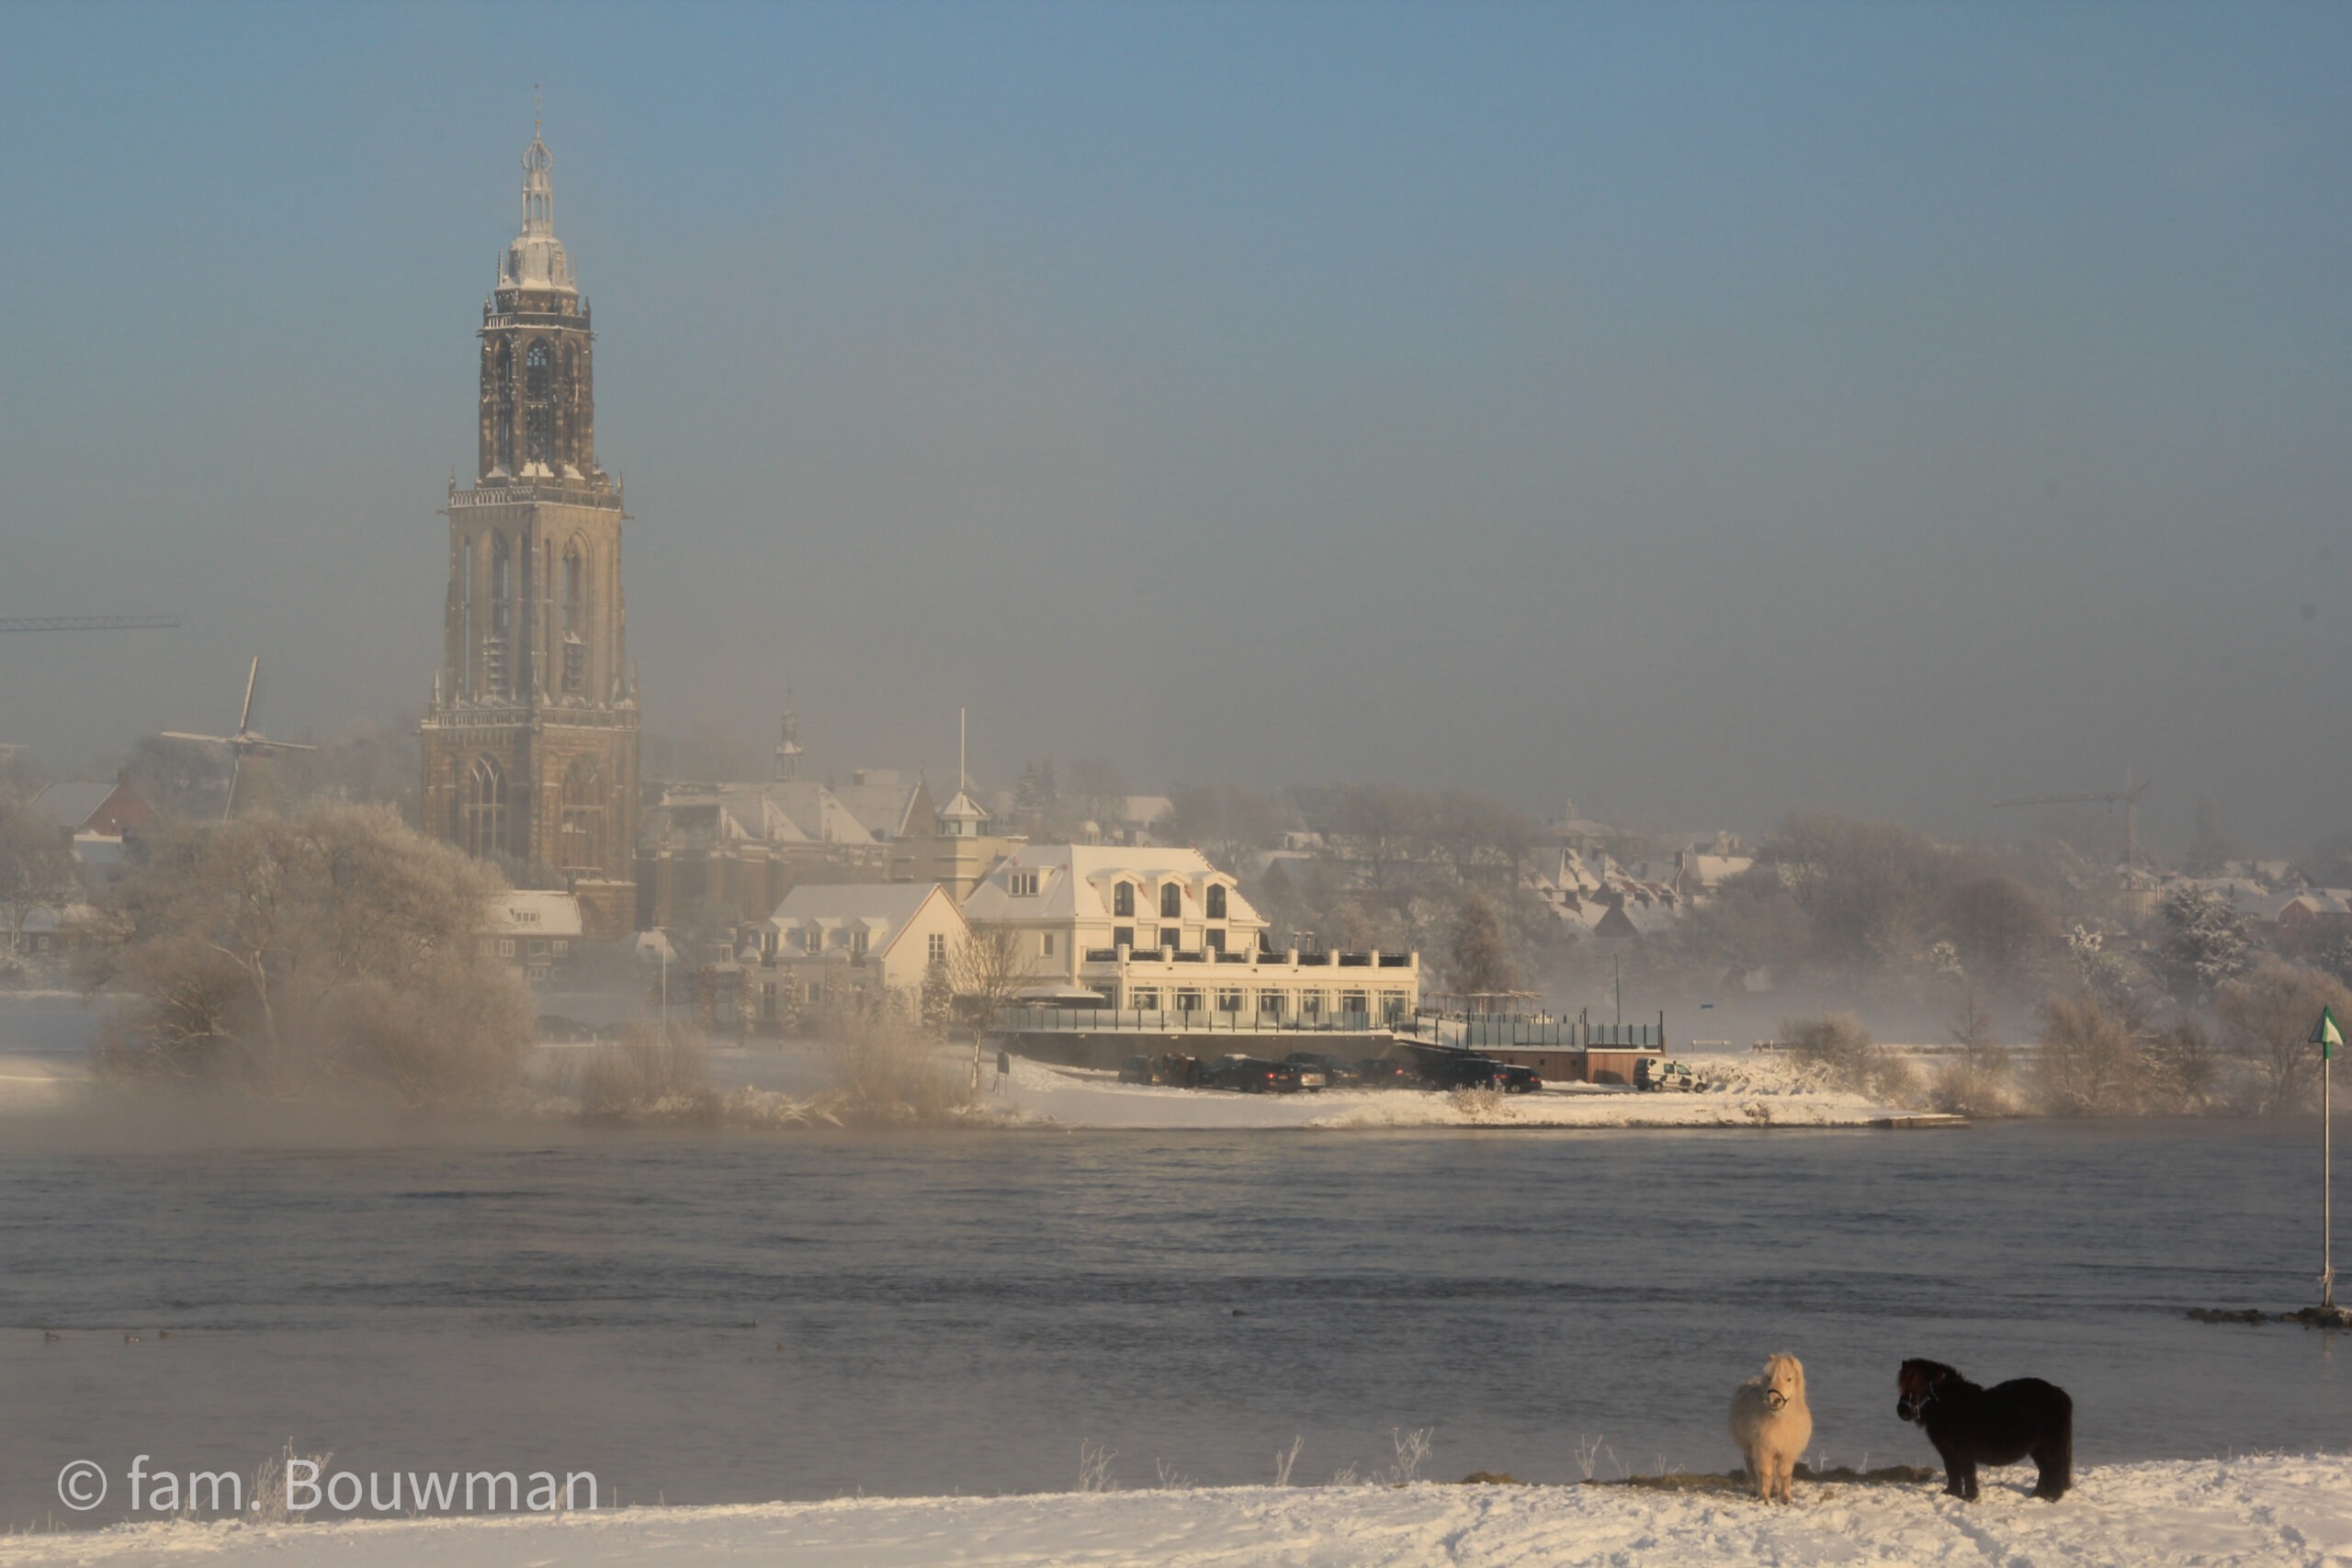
(481, 810)
(502, 372)
(575, 618)
(495, 668)
(538, 404)
(581, 844)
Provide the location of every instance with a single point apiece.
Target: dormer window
(1171, 901)
(1023, 884)
(1217, 900)
(1122, 900)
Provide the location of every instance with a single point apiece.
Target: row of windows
(1164, 936)
(1171, 899)
(541, 947)
(1272, 1004)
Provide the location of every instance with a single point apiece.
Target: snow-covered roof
(532, 911)
(886, 802)
(883, 908)
(854, 901)
(1074, 883)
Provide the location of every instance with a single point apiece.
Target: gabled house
(849, 944)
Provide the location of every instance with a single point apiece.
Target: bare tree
(2092, 1063)
(2266, 1020)
(290, 955)
(986, 971)
(36, 867)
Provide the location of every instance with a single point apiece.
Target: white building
(857, 942)
(535, 931)
(1158, 928)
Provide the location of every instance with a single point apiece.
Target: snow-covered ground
(1752, 1092)
(2265, 1510)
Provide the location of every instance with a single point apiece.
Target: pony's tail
(2058, 1467)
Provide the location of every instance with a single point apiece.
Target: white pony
(1773, 1424)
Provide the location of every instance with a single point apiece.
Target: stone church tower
(530, 743)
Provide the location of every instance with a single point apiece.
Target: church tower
(530, 742)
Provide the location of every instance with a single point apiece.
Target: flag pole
(2327, 1035)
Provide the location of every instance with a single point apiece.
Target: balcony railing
(1178, 1021)
(1215, 955)
(1504, 1029)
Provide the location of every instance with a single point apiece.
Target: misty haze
(1168, 782)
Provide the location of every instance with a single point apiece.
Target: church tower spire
(530, 746)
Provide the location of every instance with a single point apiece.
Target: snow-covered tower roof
(535, 259)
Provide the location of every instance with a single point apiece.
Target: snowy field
(2248, 1511)
(1752, 1092)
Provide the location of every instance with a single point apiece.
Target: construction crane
(2128, 796)
(88, 622)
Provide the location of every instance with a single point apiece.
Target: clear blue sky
(1698, 411)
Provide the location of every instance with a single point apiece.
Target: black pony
(1970, 1426)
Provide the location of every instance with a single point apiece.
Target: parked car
(1454, 1071)
(1336, 1073)
(1171, 1068)
(1388, 1072)
(1662, 1073)
(1250, 1075)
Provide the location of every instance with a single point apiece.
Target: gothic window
(1122, 900)
(581, 845)
(481, 810)
(463, 568)
(575, 618)
(1171, 901)
(502, 404)
(502, 607)
(538, 404)
(1216, 901)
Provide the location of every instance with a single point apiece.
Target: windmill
(246, 740)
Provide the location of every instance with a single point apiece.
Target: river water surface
(712, 1319)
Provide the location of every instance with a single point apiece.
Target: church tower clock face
(530, 742)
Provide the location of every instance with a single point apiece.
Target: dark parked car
(1172, 1068)
(1388, 1072)
(1451, 1071)
(1248, 1075)
(1336, 1073)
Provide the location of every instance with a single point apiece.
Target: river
(721, 1318)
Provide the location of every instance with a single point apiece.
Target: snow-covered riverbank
(2263, 1510)
(1752, 1093)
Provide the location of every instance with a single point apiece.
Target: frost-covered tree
(2205, 944)
(1479, 951)
(327, 951)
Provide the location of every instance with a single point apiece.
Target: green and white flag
(2326, 1035)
